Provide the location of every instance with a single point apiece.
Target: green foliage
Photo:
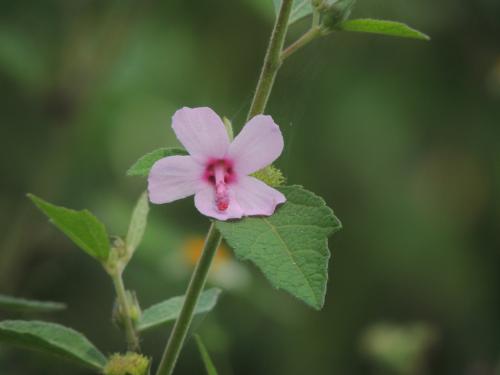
(23, 59)
(137, 225)
(391, 28)
(167, 311)
(26, 305)
(53, 339)
(270, 175)
(83, 228)
(207, 361)
(291, 246)
(142, 166)
(128, 364)
(300, 9)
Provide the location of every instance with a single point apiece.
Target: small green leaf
(52, 339)
(83, 228)
(300, 9)
(291, 246)
(168, 311)
(142, 166)
(209, 365)
(21, 304)
(137, 224)
(382, 27)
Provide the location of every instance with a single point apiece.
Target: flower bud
(127, 364)
(316, 3)
(134, 313)
(336, 13)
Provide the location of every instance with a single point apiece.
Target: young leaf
(52, 339)
(83, 228)
(21, 304)
(168, 311)
(391, 28)
(137, 224)
(300, 9)
(207, 361)
(142, 166)
(291, 246)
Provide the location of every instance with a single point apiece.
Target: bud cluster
(127, 364)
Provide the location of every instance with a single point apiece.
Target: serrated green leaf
(291, 246)
(137, 225)
(54, 339)
(300, 9)
(382, 27)
(83, 228)
(142, 166)
(207, 361)
(168, 311)
(20, 304)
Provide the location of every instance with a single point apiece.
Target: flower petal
(173, 178)
(202, 132)
(257, 145)
(255, 197)
(204, 200)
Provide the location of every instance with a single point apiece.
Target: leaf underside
(168, 311)
(383, 27)
(53, 339)
(142, 166)
(138, 222)
(83, 228)
(26, 305)
(291, 246)
(300, 9)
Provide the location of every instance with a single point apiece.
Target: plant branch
(313, 33)
(272, 61)
(194, 290)
(121, 295)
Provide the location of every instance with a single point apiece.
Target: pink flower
(217, 171)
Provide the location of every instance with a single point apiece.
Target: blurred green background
(400, 137)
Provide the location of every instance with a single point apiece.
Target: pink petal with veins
(257, 145)
(202, 132)
(255, 197)
(173, 178)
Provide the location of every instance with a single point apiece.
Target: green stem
(121, 295)
(272, 61)
(316, 18)
(194, 290)
(313, 33)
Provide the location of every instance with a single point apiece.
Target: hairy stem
(309, 36)
(194, 290)
(272, 61)
(121, 295)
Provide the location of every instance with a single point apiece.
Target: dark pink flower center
(220, 173)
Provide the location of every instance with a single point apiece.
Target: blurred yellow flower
(193, 247)
(226, 271)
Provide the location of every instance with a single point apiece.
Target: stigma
(219, 173)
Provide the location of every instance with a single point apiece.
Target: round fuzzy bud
(127, 364)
